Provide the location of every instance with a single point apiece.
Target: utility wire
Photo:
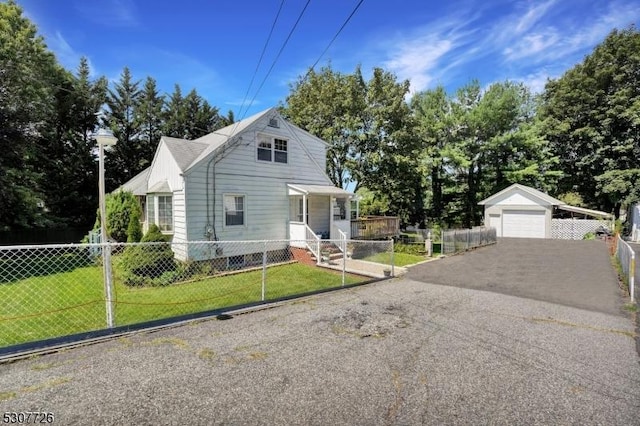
(344, 24)
(264, 49)
(277, 57)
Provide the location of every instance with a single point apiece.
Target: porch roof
(296, 189)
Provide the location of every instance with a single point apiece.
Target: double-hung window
(272, 149)
(234, 210)
(160, 211)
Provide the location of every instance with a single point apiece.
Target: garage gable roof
(545, 198)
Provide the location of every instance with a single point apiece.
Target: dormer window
(272, 149)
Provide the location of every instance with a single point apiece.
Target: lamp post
(105, 138)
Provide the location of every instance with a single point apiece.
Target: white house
(259, 179)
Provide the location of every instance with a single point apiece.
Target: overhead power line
(277, 57)
(264, 49)
(344, 24)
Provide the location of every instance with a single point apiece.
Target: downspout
(210, 228)
(218, 154)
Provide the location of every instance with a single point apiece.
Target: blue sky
(214, 46)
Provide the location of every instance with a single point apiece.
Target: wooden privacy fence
(375, 227)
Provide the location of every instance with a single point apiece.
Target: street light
(105, 138)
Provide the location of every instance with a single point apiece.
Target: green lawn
(399, 259)
(70, 302)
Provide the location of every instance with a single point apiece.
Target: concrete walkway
(363, 267)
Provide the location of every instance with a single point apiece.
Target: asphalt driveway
(393, 352)
(572, 273)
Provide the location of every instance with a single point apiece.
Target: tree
(432, 112)
(122, 208)
(367, 127)
(476, 143)
(26, 88)
(127, 158)
(201, 117)
(592, 119)
(175, 115)
(71, 184)
(329, 104)
(148, 119)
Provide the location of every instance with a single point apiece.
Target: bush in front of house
(134, 230)
(120, 207)
(150, 264)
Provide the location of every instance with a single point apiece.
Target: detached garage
(520, 211)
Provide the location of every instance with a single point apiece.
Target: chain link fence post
(264, 271)
(108, 282)
(393, 271)
(344, 260)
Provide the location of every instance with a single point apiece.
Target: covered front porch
(318, 212)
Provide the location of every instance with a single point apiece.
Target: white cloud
(532, 17)
(109, 13)
(66, 54)
(536, 81)
(424, 55)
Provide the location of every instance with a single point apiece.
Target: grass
(399, 259)
(62, 303)
(404, 254)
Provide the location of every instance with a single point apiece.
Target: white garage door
(523, 224)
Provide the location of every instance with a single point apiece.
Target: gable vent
(273, 122)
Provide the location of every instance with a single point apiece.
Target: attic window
(272, 149)
(273, 122)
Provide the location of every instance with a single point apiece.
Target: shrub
(120, 207)
(142, 263)
(411, 248)
(134, 230)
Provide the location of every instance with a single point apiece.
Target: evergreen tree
(149, 119)
(175, 115)
(127, 158)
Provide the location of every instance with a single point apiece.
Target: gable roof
(183, 151)
(526, 189)
(137, 184)
(218, 138)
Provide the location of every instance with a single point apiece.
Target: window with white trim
(160, 211)
(272, 149)
(296, 209)
(234, 210)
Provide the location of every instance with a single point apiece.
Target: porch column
(332, 201)
(304, 209)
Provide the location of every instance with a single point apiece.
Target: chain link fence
(458, 240)
(60, 290)
(627, 260)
